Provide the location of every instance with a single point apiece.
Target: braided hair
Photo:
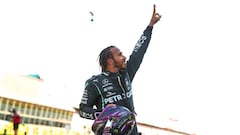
(103, 57)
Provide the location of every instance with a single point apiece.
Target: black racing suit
(114, 88)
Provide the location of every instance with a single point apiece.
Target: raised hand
(155, 17)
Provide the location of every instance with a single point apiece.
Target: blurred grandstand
(45, 115)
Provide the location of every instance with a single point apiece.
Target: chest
(114, 85)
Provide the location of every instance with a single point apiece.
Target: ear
(110, 61)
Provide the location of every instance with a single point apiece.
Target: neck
(113, 70)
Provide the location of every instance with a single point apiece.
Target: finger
(158, 15)
(154, 9)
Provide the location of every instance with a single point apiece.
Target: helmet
(116, 119)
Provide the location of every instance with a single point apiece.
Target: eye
(120, 54)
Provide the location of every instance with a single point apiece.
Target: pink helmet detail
(117, 120)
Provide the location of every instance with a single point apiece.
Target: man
(113, 85)
(16, 121)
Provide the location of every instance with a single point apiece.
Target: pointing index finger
(154, 9)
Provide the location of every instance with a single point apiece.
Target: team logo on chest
(105, 81)
(106, 85)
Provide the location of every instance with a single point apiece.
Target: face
(119, 61)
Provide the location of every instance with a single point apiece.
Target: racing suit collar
(108, 73)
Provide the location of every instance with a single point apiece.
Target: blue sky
(190, 71)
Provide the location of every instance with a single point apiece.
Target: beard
(119, 65)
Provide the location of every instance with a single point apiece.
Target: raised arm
(141, 46)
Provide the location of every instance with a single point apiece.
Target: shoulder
(93, 82)
(94, 79)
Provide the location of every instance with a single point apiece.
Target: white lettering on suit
(84, 97)
(86, 115)
(129, 94)
(113, 99)
(139, 43)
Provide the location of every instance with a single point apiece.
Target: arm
(89, 99)
(141, 47)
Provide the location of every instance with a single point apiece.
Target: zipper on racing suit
(120, 83)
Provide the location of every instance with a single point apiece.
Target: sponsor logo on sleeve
(139, 43)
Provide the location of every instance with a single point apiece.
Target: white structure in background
(47, 108)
